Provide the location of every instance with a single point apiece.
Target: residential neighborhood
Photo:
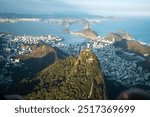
(114, 67)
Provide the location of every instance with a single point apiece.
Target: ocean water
(138, 27)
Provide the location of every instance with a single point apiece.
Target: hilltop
(134, 46)
(81, 78)
(42, 56)
(124, 40)
(118, 36)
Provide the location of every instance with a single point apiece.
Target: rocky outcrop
(87, 32)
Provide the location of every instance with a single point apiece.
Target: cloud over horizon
(95, 7)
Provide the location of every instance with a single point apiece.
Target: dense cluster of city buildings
(13, 45)
(126, 72)
(114, 67)
(15, 20)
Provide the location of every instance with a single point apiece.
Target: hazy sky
(96, 7)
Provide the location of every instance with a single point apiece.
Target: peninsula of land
(87, 32)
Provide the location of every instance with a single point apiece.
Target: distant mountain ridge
(50, 15)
